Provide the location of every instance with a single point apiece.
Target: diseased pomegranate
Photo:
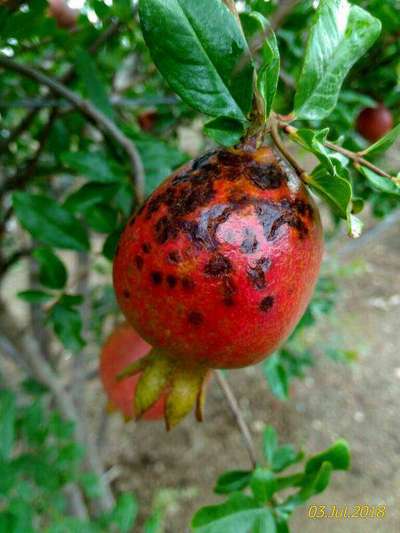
(217, 268)
(374, 122)
(123, 347)
(63, 14)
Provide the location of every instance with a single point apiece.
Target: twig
(356, 157)
(235, 408)
(230, 4)
(86, 108)
(282, 148)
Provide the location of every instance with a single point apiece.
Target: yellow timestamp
(342, 512)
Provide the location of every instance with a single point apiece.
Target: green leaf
(264, 523)
(380, 183)
(225, 131)
(125, 512)
(111, 243)
(197, 46)
(270, 443)
(339, 36)
(35, 297)
(7, 421)
(90, 195)
(94, 166)
(52, 272)
(154, 523)
(67, 324)
(284, 456)
(90, 484)
(385, 142)
(338, 455)
(268, 75)
(50, 223)
(276, 376)
(335, 190)
(263, 484)
(102, 218)
(232, 481)
(237, 515)
(94, 86)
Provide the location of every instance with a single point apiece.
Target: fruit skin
(123, 347)
(374, 123)
(220, 263)
(64, 15)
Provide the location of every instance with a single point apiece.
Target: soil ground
(359, 403)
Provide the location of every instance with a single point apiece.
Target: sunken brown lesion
(146, 247)
(256, 273)
(156, 277)
(187, 284)
(267, 303)
(126, 294)
(218, 266)
(195, 318)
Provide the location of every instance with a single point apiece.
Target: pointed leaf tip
(152, 382)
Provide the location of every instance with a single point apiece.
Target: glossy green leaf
(385, 142)
(197, 46)
(232, 481)
(237, 515)
(225, 131)
(276, 377)
(94, 166)
(67, 325)
(7, 421)
(102, 218)
(268, 74)
(35, 297)
(89, 195)
(335, 190)
(270, 443)
(339, 36)
(285, 456)
(94, 87)
(50, 223)
(380, 183)
(110, 244)
(125, 512)
(52, 271)
(264, 523)
(338, 455)
(263, 484)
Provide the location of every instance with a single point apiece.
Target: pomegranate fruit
(216, 269)
(123, 347)
(63, 14)
(374, 122)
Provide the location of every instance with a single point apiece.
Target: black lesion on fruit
(203, 160)
(146, 248)
(218, 266)
(304, 208)
(174, 257)
(171, 281)
(229, 290)
(256, 273)
(139, 262)
(126, 294)
(230, 159)
(195, 318)
(292, 221)
(267, 176)
(156, 277)
(187, 283)
(165, 228)
(274, 215)
(266, 303)
(209, 223)
(250, 243)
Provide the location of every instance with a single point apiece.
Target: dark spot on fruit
(274, 215)
(165, 229)
(209, 224)
(156, 277)
(229, 290)
(218, 266)
(153, 205)
(126, 294)
(171, 281)
(303, 208)
(195, 318)
(174, 257)
(238, 198)
(292, 221)
(139, 262)
(146, 248)
(231, 159)
(250, 242)
(181, 178)
(266, 177)
(257, 272)
(202, 160)
(266, 303)
(132, 220)
(187, 284)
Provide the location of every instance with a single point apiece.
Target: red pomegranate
(374, 122)
(123, 347)
(63, 14)
(218, 266)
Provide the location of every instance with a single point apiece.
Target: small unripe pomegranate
(217, 267)
(374, 122)
(63, 14)
(123, 347)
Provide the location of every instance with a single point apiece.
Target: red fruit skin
(374, 123)
(123, 347)
(220, 263)
(63, 14)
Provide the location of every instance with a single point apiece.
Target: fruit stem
(237, 413)
(274, 123)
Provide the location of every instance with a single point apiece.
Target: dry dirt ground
(359, 403)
